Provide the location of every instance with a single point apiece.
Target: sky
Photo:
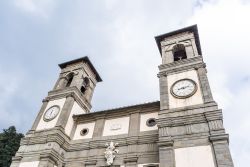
(118, 37)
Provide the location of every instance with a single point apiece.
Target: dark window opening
(69, 79)
(85, 84)
(179, 52)
(83, 89)
(86, 81)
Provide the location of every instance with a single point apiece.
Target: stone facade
(177, 131)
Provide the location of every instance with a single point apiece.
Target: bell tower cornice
(181, 33)
(77, 63)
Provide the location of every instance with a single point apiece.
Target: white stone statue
(110, 151)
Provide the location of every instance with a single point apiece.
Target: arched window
(179, 52)
(85, 84)
(69, 79)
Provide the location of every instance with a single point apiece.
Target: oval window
(151, 122)
(84, 132)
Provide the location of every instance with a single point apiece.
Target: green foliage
(9, 144)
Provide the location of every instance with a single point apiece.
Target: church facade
(183, 129)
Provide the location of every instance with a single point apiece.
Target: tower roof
(82, 59)
(192, 29)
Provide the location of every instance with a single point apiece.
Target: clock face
(51, 113)
(183, 88)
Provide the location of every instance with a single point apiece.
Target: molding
(58, 136)
(118, 112)
(203, 107)
(130, 159)
(189, 119)
(17, 158)
(184, 64)
(90, 162)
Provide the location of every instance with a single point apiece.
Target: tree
(9, 144)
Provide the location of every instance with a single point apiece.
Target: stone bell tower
(71, 95)
(44, 143)
(191, 132)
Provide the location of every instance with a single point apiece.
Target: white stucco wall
(79, 127)
(194, 157)
(143, 121)
(50, 124)
(193, 100)
(76, 109)
(29, 164)
(121, 123)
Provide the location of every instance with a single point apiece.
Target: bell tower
(71, 95)
(191, 131)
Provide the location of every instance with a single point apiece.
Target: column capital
(162, 74)
(166, 142)
(219, 138)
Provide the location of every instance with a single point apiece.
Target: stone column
(205, 88)
(166, 153)
(39, 116)
(221, 150)
(65, 112)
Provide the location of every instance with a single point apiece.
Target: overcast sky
(118, 37)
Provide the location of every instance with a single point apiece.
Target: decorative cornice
(190, 119)
(182, 65)
(204, 107)
(56, 135)
(118, 112)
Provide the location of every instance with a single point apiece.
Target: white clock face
(51, 113)
(183, 88)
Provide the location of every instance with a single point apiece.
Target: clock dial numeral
(183, 88)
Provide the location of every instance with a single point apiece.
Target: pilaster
(206, 91)
(163, 91)
(134, 124)
(39, 116)
(166, 152)
(221, 150)
(99, 125)
(47, 160)
(65, 112)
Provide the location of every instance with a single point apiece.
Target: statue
(110, 151)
